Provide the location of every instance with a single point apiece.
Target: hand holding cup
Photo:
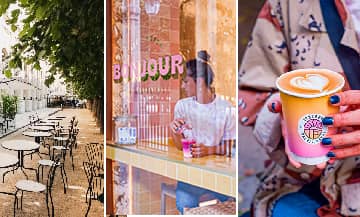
(346, 143)
(200, 150)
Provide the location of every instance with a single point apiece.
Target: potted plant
(9, 106)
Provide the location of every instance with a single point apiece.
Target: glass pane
(154, 45)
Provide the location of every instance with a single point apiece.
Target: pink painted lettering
(152, 67)
(135, 71)
(143, 71)
(176, 63)
(117, 72)
(125, 71)
(164, 68)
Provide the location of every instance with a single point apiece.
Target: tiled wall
(158, 36)
(180, 27)
(211, 26)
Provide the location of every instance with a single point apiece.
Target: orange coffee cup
(304, 95)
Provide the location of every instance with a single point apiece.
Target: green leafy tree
(67, 34)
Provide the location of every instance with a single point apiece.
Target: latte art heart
(311, 82)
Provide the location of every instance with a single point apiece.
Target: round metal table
(21, 146)
(37, 135)
(41, 128)
(8, 160)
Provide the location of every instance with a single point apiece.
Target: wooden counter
(217, 173)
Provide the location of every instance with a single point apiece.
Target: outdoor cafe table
(21, 146)
(50, 121)
(6, 161)
(217, 173)
(46, 124)
(54, 119)
(37, 135)
(60, 117)
(41, 128)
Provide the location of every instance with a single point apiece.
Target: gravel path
(73, 202)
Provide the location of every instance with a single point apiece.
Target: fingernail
(334, 99)
(330, 154)
(331, 161)
(273, 107)
(328, 121)
(326, 141)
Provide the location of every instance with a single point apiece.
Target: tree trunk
(99, 112)
(94, 107)
(90, 104)
(101, 116)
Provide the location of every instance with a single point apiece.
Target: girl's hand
(200, 150)
(176, 126)
(346, 143)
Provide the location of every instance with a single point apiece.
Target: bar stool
(166, 190)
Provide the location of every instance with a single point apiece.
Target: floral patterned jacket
(288, 35)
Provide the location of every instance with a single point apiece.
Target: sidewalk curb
(21, 127)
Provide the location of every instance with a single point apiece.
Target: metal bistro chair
(36, 187)
(67, 145)
(48, 143)
(94, 153)
(95, 189)
(2, 124)
(48, 163)
(33, 119)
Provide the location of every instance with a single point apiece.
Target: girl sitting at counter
(210, 120)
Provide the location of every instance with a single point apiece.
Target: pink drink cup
(186, 144)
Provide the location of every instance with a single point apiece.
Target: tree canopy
(67, 34)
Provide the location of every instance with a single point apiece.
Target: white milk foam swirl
(310, 82)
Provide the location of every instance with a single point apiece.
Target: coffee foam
(310, 83)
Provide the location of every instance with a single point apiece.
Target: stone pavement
(22, 120)
(250, 156)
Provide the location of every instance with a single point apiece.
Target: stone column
(33, 95)
(21, 102)
(28, 101)
(37, 100)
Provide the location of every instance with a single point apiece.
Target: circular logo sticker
(311, 129)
